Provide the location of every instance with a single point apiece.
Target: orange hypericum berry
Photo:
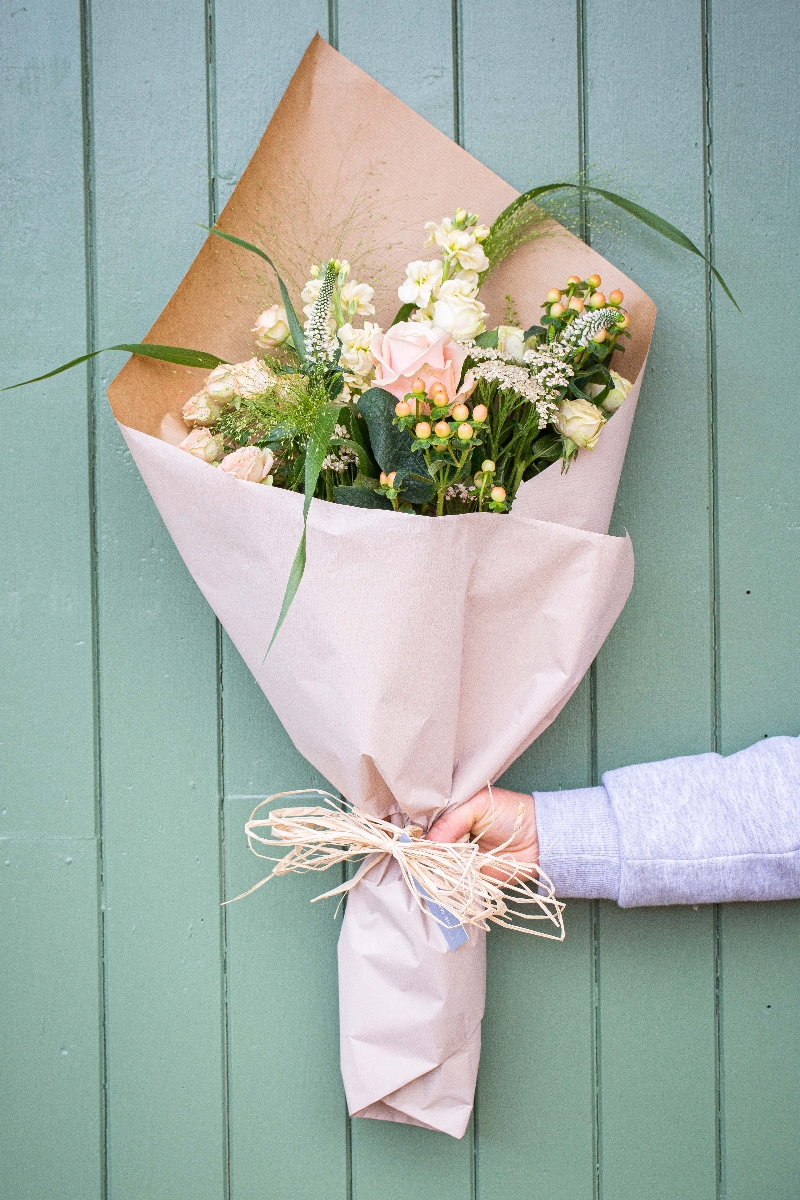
(625, 322)
(576, 304)
(418, 387)
(460, 412)
(616, 297)
(597, 300)
(595, 281)
(423, 430)
(498, 494)
(553, 296)
(465, 432)
(441, 429)
(402, 409)
(384, 479)
(600, 336)
(488, 466)
(390, 478)
(573, 279)
(480, 412)
(557, 310)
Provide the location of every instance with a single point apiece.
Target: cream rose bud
(250, 463)
(252, 378)
(511, 341)
(421, 283)
(202, 409)
(618, 393)
(579, 421)
(203, 444)
(219, 384)
(272, 326)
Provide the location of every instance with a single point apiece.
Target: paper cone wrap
(420, 656)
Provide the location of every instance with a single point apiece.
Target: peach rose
(416, 350)
(202, 409)
(250, 463)
(203, 445)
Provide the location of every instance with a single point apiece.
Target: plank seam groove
(90, 268)
(708, 217)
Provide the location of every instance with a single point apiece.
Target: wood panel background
(159, 1046)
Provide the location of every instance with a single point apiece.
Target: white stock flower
(355, 356)
(458, 312)
(271, 327)
(356, 298)
(511, 341)
(481, 232)
(310, 293)
(422, 282)
(579, 421)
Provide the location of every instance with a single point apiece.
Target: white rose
(511, 341)
(618, 393)
(252, 378)
(422, 281)
(356, 298)
(250, 463)
(202, 409)
(219, 384)
(271, 327)
(460, 315)
(202, 444)
(579, 421)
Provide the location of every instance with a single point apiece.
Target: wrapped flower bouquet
(415, 503)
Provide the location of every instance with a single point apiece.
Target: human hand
(489, 818)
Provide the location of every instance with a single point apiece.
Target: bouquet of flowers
(419, 657)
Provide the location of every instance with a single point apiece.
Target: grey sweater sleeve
(687, 831)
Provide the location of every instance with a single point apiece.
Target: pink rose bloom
(202, 444)
(413, 350)
(249, 463)
(202, 409)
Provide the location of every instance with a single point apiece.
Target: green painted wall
(158, 1047)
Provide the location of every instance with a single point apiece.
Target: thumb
(453, 825)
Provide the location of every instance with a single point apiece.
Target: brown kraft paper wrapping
(420, 656)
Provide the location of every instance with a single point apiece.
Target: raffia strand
(454, 876)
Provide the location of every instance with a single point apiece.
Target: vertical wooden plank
(756, 227)
(51, 1022)
(644, 108)
(284, 1077)
(400, 1161)
(166, 1120)
(760, 1020)
(535, 1093)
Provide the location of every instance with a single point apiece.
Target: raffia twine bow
(451, 875)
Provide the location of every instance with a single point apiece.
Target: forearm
(686, 831)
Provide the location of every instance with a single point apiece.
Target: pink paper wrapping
(420, 656)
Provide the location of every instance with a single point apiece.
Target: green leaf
(404, 313)
(366, 462)
(170, 354)
(316, 450)
(294, 325)
(487, 339)
(360, 497)
(392, 446)
(651, 219)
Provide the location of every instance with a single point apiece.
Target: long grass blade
(651, 219)
(295, 327)
(170, 354)
(317, 448)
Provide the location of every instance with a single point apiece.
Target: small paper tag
(453, 931)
